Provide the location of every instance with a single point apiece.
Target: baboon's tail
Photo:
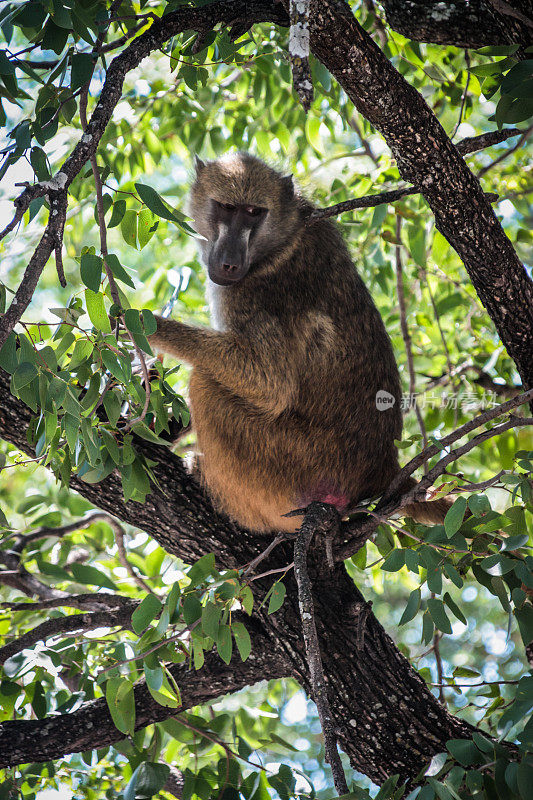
(428, 512)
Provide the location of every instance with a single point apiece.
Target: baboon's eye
(228, 206)
(253, 211)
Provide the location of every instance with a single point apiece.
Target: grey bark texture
(464, 23)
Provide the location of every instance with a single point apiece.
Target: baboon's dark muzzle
(229, 259)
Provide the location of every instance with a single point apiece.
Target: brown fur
(283, 393)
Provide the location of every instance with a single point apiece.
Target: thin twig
(482, 485)
(318, 516)
(272, 572)
(121, 549)
(67, 625)
(472, 424)
(465, 93)
(99, 200)
(146, 378)
(506, 153)
(392, 500)
(264, 554)
(406, 336)
(465, 147)
(438, 661)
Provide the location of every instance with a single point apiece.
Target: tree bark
(91, 726)
(463, 23)
(387, 720)
(427, 158)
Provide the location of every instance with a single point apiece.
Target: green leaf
(155, 203)
(117, 215)
(479, 504)
(82, 350)
(201, 569)
(82, 69)
(242, 640)
(211, 615)
(8, 354)
(149, 322)
(312, 134)
(224, 643)
(465, 672)
(147, 780)
(454, 608)
(417, 243)
(454, 518)
(121, 703)
(132, 320)
(394, 562)
(192, 609)
(7, 67)
(438, 615)
(114, 365)
(112, 407)
(524, 617)
(277, 596)
(146, 227)
(23, 375)
(91, 271)
(128, 228)
(154, 677)
(524, 778)
(84, 573)
(149, 608)
(412, 608)
(247, 599)
(118, 270)
(96, 310)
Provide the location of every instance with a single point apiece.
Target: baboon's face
(246, 212)
(235, 230)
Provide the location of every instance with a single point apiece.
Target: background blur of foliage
(231, 96)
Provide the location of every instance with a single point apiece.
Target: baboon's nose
(229, 268)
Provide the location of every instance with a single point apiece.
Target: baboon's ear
(198, 165)
(287, 187)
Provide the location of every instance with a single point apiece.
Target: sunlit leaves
(149, 608)
(121, 703)
(276, 597)
(454, 517)
(85, 392)
(96, 310)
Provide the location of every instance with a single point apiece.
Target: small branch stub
(319, 518)
(299, 51)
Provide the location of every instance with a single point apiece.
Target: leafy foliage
(461, 590)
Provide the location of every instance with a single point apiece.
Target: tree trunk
(463, 23)
(388, 721)
(427, 158)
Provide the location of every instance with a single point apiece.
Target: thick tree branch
(317, 520)
(427, 159)
(66, 625)
(227, 12)
(467, 146)
(91, 725)
(359, 677)
(464, 23)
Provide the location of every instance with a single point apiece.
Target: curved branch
(227, 12)
(364, 672)
(72, 624)
(427, 159)
(91, 725)
(464, 23)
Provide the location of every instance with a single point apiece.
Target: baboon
(295, 392)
